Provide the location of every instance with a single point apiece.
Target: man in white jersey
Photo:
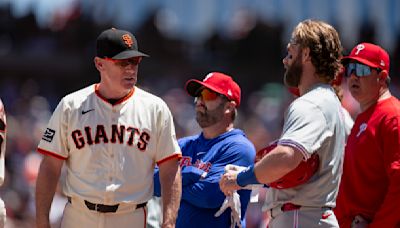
(110, 135)
(2, 156)
(313, 126)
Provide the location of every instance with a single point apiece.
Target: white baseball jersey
(110, 150)
(314, 123)
(2, 141)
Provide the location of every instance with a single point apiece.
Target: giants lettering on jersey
(99, 135)
(187, 161)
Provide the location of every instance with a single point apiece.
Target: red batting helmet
(301, 174)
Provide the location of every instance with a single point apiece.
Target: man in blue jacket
(205, 155)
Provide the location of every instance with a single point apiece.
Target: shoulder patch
(48, 135)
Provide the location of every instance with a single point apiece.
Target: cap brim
(192, 87)
(361, 60)
(129, 54)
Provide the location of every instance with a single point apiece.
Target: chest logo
(188, 161)
(362, 128)
(116, 134)
(86, 111)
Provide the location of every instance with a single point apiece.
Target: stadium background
(47, 49)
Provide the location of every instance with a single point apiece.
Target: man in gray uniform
(313, 128)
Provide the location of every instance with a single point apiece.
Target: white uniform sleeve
(167, 145)
(305, 128)
(54, 140)
(3, 140)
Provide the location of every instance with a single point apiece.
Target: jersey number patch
(48, 135)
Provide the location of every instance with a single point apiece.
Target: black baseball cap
(117, 44)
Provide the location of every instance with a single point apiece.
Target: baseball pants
(304, 217)
(77, 214)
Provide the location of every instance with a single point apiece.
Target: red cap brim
(193, 85)
(361, 60)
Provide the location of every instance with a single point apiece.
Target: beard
(293, 73)
(210, 117)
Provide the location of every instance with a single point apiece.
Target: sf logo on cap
(127, 40)
(359, 48)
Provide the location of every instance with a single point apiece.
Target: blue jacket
(202, 197)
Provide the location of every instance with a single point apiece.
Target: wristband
(247, 177)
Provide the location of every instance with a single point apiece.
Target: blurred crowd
(39, 66)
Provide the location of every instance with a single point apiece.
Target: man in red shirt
(369, 193)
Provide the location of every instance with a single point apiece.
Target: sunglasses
(360, 70)
(208, 95)
(125, 62)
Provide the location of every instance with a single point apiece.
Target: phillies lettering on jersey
(187, 161)
(119, 134)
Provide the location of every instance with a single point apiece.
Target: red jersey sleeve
(388, 215)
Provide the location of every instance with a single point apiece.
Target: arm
(277, 163)
(46, 183)
(206, 193)
(171, 190)
(303, 132)
(280, 161)
(190, 175)
(388, 213)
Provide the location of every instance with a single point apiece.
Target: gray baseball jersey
(111, 150)
(314, 123)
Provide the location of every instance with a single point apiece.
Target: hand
(228, 184)
(234, 168)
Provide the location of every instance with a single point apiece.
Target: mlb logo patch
(48, 135)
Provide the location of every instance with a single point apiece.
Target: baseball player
(2, 157)
(205, 155)
(313, 127)
(369, 190)
(110, 135)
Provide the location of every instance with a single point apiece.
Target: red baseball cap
(371, 55)
(217, 82)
